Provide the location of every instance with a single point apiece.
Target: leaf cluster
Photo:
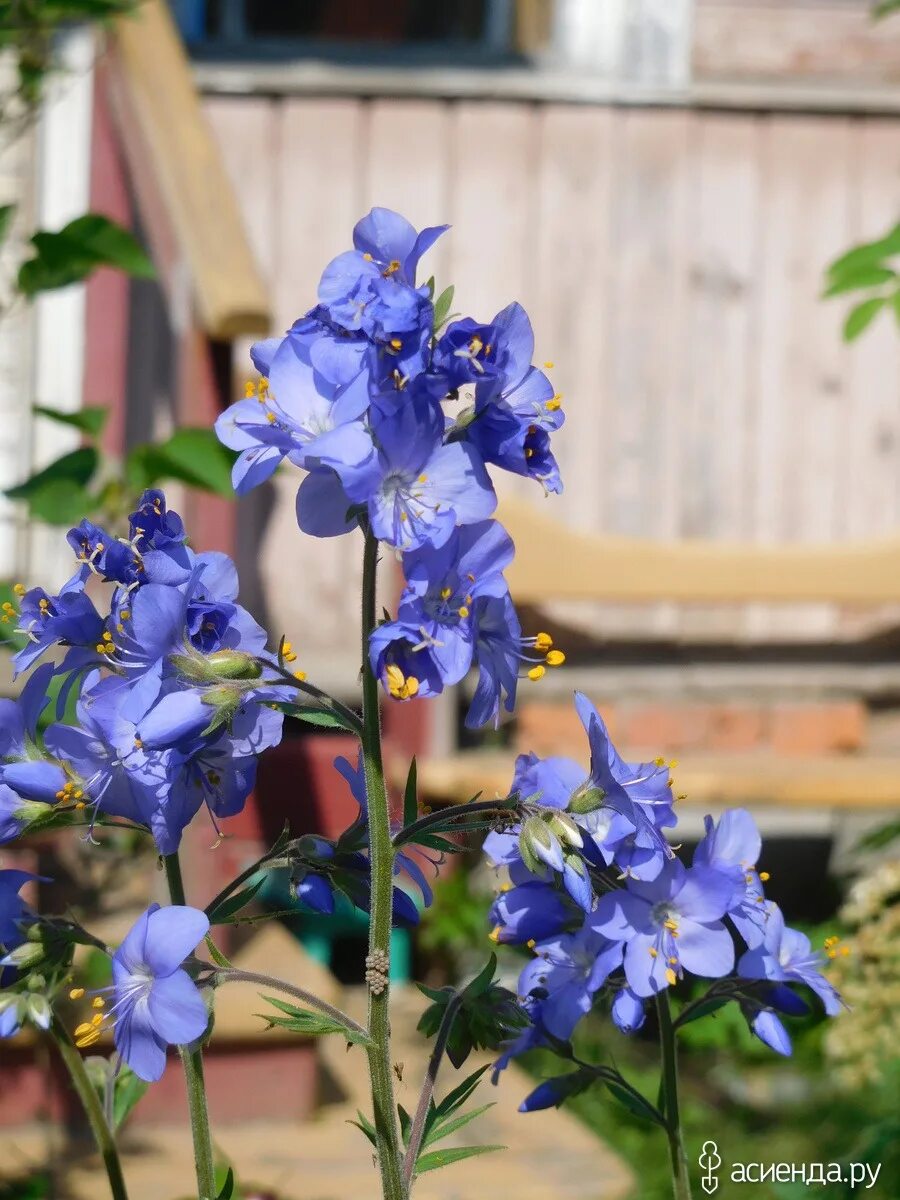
(867, 269)
(487, 1015)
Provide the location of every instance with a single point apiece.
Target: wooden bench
(554, 563)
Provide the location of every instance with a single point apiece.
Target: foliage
(867, 269)
(28, 29)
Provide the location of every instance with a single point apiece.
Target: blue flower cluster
(176, 688)
(396, 415)
(600, 897)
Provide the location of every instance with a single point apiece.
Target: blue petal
(177, 1010)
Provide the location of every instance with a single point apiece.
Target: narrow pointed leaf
(435, 1159)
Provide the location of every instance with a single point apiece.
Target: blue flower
(105, 758)
(732, 847)
(566, 974)
(157, 1004)
(669, 925)
(68, 619)
(530, 911)
(627, 1011)
(23, 765)
(416, 488)
(155, 550)
(501, 351)
(14, 912)
(17, 814)
(786, 956)
(294, 413)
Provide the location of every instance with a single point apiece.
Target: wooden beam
(556, 563)
(154, 84)
(845, 782)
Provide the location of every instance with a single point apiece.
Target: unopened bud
(565, 829)
(587, 800)
(37, 1009)
(29, 954)
(234, 664)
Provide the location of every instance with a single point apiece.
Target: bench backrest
(554, 562)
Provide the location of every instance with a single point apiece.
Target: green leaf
(634, 1103)
(311, 1024)
(867, 254)
(226, 1187)
(877, 839)
(704, 1009)
(443, 1128)
(128, 1090)
(462, 1092)
(860, 317)
(405, 1123)
(215, 953)
(71, 254)
(319, 715)
(366, 1126)
(58, 493)
(435, 1159)
(89, 420)
(194, 456)
(482, 981)
(7, 212)
(223, 912)
(442, 307)
(410, 796)
(862, 277)
(75, 469)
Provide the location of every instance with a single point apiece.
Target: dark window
(322, 28)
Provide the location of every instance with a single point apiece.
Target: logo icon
(710, 1160)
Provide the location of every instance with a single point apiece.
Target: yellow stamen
(301, 675)
(549, 364)
(554, 404)
(671, 977)
(98, 1002)
(463, 611)
(396, 344)
(555, 658)
(653, 953)
(367, 256)
(537, 673)
(494, 935)
(88, 1039)
(670, 924)
(543, 642)
(446, 593)
(19, 589)
(249, 389)
(83, 1028)
(765, 876)
(76, 993)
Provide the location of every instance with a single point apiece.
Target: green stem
(92, 1107)
(192, 1061)
(417, 1128)
(681, 1182)
(381, 856)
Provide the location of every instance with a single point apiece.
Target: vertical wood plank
(571, 299)
(716, 473)
(409, 169)
(871, 486)
(650, 238)
(802, 369)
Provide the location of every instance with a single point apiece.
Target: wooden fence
(672, 261)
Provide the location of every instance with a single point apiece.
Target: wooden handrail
(554, 562)
(171, 150)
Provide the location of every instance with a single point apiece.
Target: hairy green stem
(417, 1128)
(93, 1108)
(681, 1183)
(192, 1061)
(381, 857)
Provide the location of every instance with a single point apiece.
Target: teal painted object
(318, 932)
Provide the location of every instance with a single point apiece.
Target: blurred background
(697, 203)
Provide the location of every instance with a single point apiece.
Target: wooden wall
(672, 261)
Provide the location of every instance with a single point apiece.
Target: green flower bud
(37, 1010)
(234, 664)
(587, 800)
(565, 829)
